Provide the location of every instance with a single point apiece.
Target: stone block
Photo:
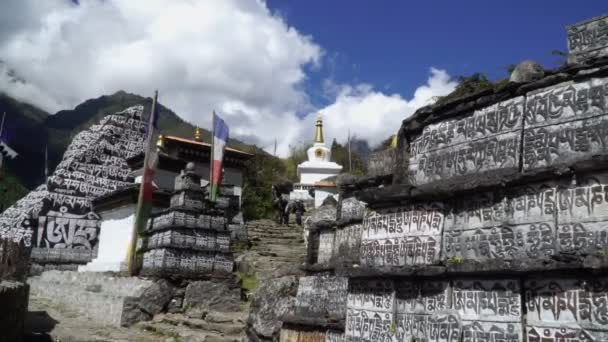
(572, 307)
(370, 310)
(326, 243)
(131, 313)
(347, 242)
(322, 296)
(403, 236)
(565, 125)
(483, 143)
(351, 210)
(588, 39)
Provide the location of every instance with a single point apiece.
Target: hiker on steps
(299, 210)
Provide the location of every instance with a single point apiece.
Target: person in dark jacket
(299, 209)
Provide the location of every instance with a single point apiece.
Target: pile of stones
(190, 239)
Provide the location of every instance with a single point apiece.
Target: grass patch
(248, 281)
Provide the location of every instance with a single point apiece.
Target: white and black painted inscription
(409, 235)
(326, 242)
(588, 39)
(572, 308)
(370, 310)
(319, 296)
(565, 124)
(486, 140)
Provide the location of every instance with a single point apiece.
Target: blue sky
(392, 44)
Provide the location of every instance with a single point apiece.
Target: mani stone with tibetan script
(187, 240)
(56, 219)
(588, 39)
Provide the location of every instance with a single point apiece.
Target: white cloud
(373, 115)
(234, 56)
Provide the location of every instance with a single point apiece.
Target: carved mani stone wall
(500, 231)
(588, 39)
(57, 220)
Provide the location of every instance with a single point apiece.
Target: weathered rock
(215, 295)
(156, 297)
(351, 210)
(527, 71)
(131, 313)
(325, 215)
(13, 308)
(274, 299)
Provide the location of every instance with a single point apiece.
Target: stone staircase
(275, 249)
(213, 327)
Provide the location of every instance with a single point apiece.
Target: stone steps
(274, 248)
(215, 327)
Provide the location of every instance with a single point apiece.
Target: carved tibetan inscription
(567, 309)
(326, 243)
(583, 216)
(369, 313)
(588, 39)
(565, 124)
(421, 312)
(319, 296)
(518, 224)
(409, 235)
(490, 309)
(486, 140)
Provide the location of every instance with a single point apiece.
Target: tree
(260, 173)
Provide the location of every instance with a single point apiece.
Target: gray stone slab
(326, 246)
(570, 302)
(515, 224)
(351, 210)
(421, 297)
(583, 215)
(408, 235)
(321, 295)
(588, 39)
(440, 327)
(484, 141)
(473, 331)
(347, 242)
(565, 124)
(487, 300)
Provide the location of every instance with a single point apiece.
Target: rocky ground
(68, 307)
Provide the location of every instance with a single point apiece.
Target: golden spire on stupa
(319, 132)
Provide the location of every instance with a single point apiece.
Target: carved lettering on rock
(565, 124)
(487, 300)
(370, 305)
(326, 243)
(588, 39)
(322, 295)
(487, 140)
(401, 236)
(579, 303)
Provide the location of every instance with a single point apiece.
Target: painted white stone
(487, 300)
(486, 140)
(409, 235)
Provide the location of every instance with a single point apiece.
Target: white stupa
(317, 168)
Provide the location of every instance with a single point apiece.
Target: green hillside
(29, 130)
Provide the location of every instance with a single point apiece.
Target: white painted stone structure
(317, 168)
